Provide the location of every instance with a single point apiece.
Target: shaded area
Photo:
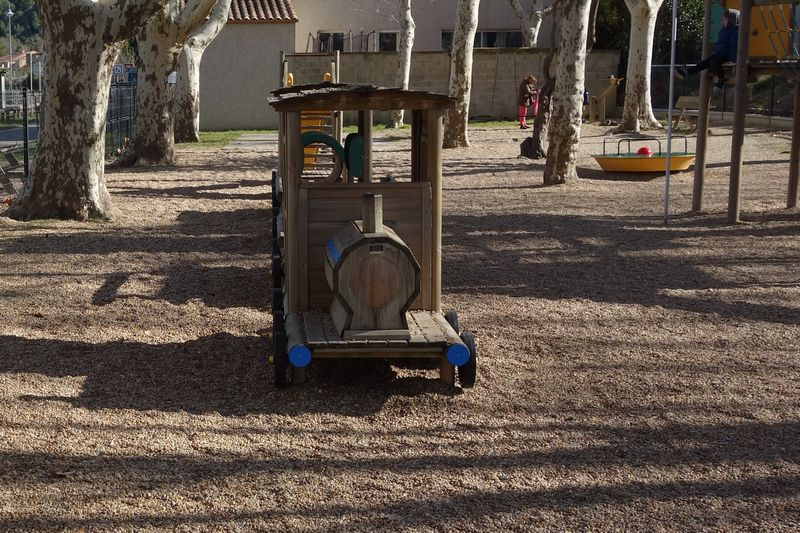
(614, 260)
(684, 446)
(221, 373)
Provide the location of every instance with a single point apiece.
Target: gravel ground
(632, 376)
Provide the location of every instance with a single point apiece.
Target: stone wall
(496, 74)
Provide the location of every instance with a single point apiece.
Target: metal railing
(120, 118)
(771, 95)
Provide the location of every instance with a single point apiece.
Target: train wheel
(452, 319)
(468, 372)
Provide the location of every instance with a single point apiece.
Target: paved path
(12, 136)
(254, 142)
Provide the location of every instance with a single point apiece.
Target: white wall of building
(239, 69)
(431, 17)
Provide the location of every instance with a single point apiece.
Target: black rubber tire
(277, 271)
(280, 353)
(468, 372)
(452, 319)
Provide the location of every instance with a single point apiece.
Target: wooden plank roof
(262, 12)
(343, 97)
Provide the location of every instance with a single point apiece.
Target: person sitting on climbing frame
(528, 97)
(725, 49)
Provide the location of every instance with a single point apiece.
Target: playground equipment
(597, 104)
(356, 265)
(643, 159)
(778, 29)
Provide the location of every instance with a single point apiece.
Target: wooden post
(281, 70)
(365, 130)
(740, 109)
(702, 118)
(372, 213)
(794, 164)
(339, 114)
(434, 130)
(416, 145)
(294, 156)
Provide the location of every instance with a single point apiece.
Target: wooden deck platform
(430, 337)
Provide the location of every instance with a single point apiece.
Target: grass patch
(494, 123)
(218, 139)
(375, 127)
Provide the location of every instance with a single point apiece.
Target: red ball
(645, 150)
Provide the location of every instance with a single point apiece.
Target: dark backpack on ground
(527, 148)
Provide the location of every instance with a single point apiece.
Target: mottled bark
(545, 97)
(456, 121)
(82, 40)
(160, 44)
(564, 130)
(637, 111)
(186, 110)
(531, 20)
(407, 27)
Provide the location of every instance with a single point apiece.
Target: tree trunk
(531, 21)
(456, 122)
(567, 101)
(543, 117)
(407, 28)
(160, 45)
(82, 40)
(637, 112)
(154, 140)
(187, 91)
(187, 96)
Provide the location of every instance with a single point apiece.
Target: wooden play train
(356, 264)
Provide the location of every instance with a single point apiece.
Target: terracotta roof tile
(262, 12)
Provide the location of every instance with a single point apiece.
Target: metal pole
(702, 118)
(740, 109)
(25, 132)
(669, 107)
(794, 163)
(10, 14)
(771, 100)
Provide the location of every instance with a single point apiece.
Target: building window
(387, 41)
(447, 40)
(488, 39)
(330, 41)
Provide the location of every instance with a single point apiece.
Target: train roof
(329, 96)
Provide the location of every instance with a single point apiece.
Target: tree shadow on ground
(616, 261)
(701, 448)
(221, 373)
(208, 191)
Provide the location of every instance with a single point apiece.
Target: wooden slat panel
(325, 190)
(302, 255)
(330, 331)
(424, 254)
(315, 333)
(433, 333)
(406, 207)
(417, 336)
(449, 333)
(294, 152)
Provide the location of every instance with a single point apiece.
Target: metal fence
(121, 117)
(771, 95)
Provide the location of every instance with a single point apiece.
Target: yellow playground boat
(644, 159)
